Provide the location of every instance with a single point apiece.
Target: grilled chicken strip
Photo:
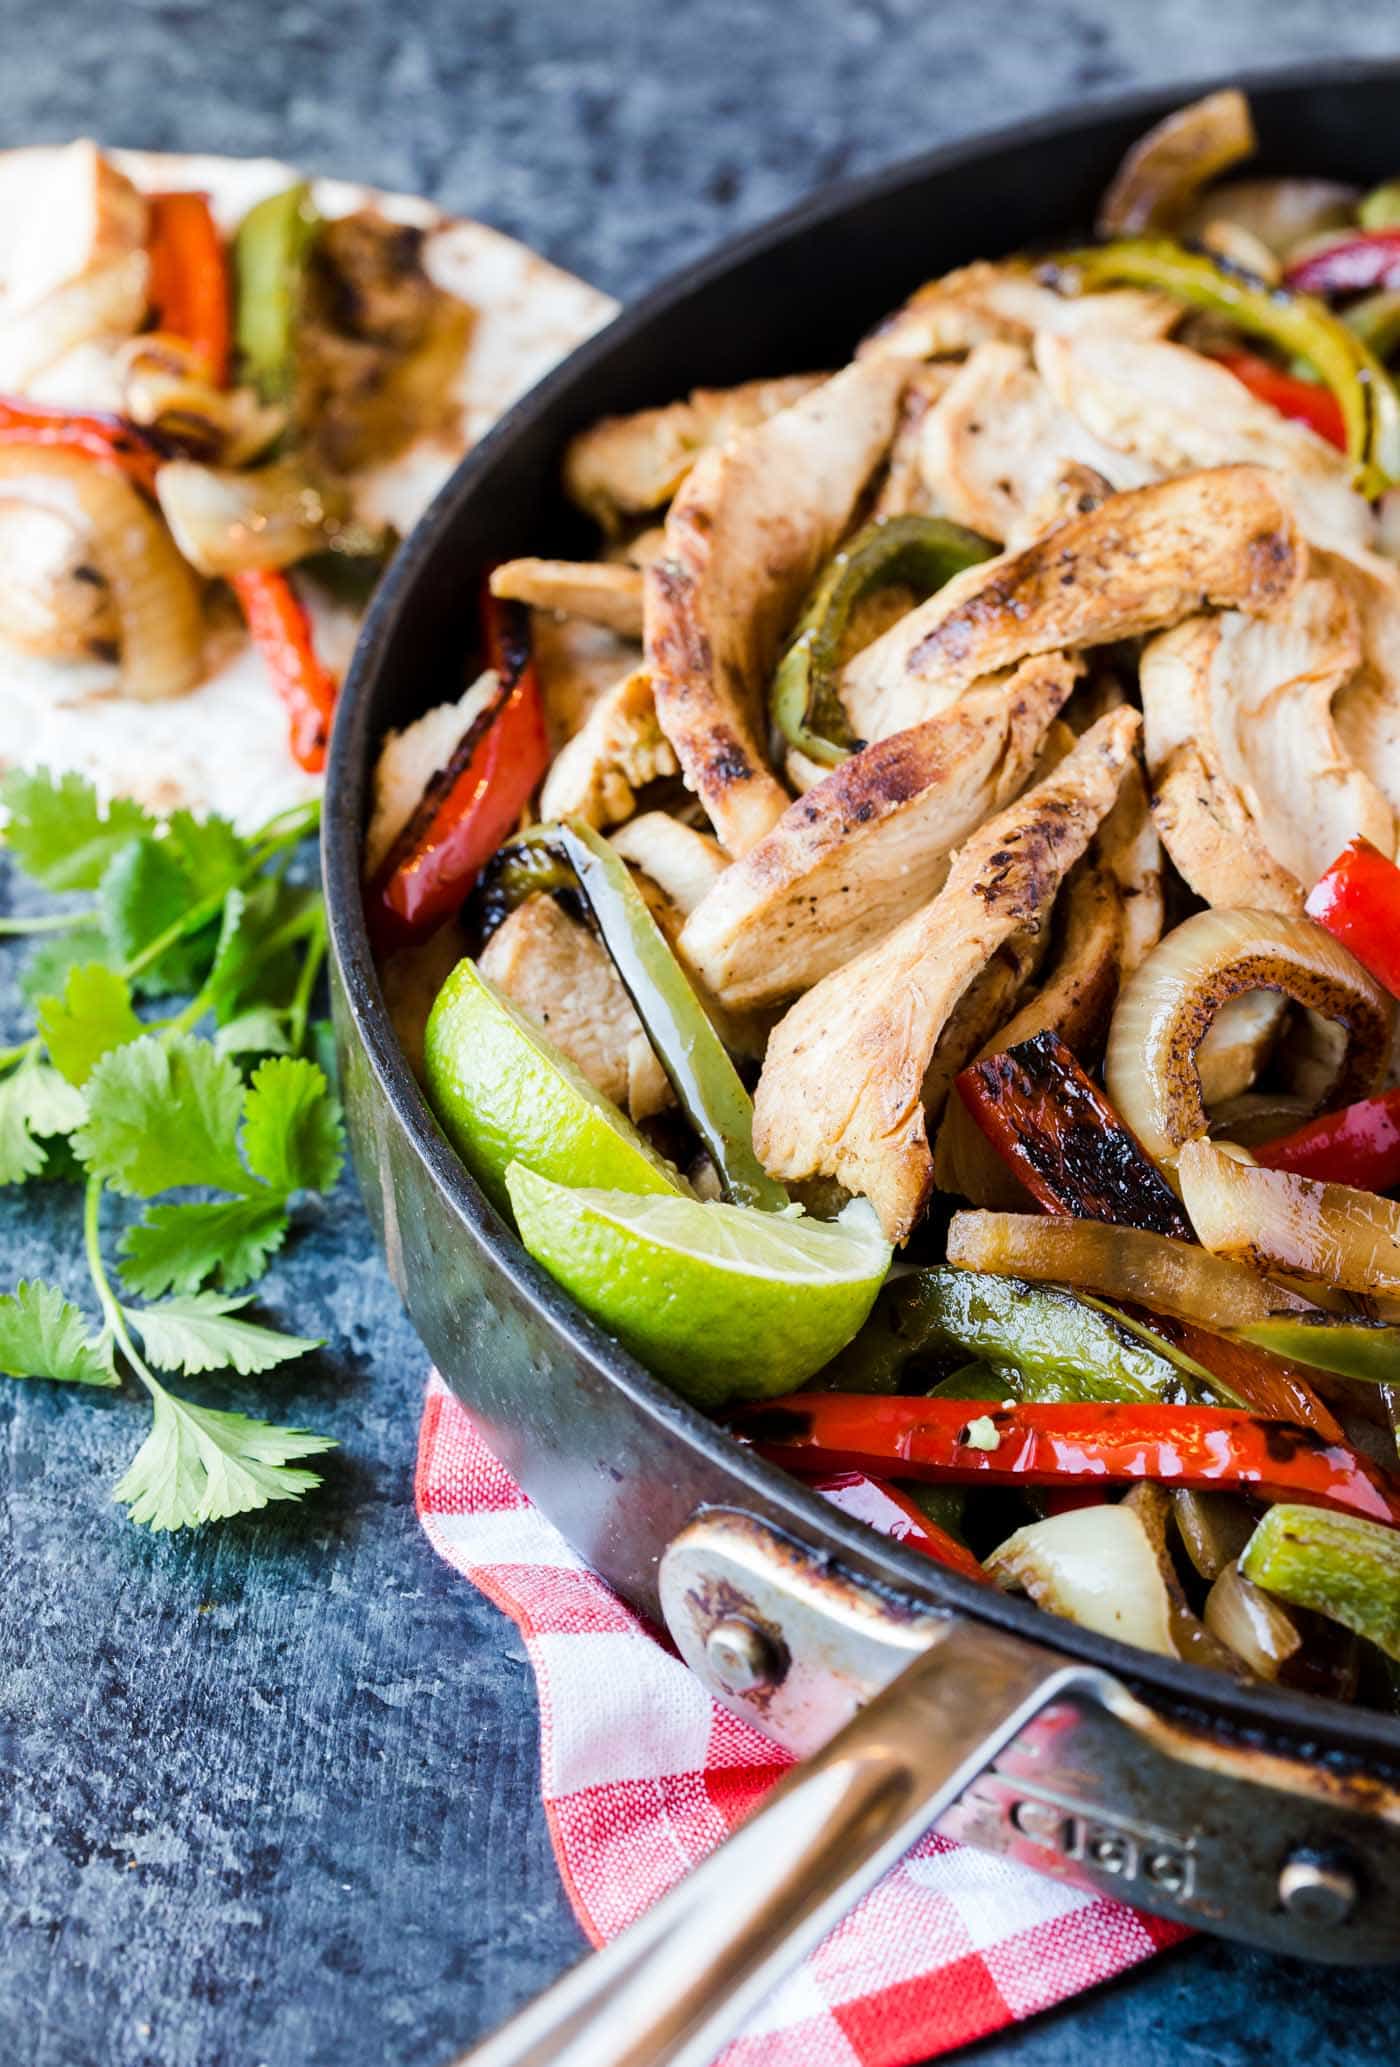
(576, 663)
(634, 464)
(1177, 411)
(841, 1094)
(1145, 559)
(603, 591)
(1074, 999)
(987, 301)
(562, 980)
(871, 842)
(617, 751)
(904, 490)
(753, 523)
(997, 439)
(1237, 715)
(1367, 710)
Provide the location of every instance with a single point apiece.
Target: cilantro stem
(287, 829)
(300, 1006)
(50, 922)
(21, 1052)
(111, 1307)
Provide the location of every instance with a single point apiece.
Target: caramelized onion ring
(1277, 1220)
(1167, 1006)
(155, 596)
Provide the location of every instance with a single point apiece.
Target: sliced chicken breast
(752, 525)
(997, 439)
(603, 591)
(684, 864)
(1178, 410)
(629, 465)
(871, 842)
(842, 1089)
(619, 749)
(1367, 709)
(1225, 537)
(563, 981)
(1005, 301)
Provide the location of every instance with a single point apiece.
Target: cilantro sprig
(215, 1096)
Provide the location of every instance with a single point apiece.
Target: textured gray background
(267, 1796)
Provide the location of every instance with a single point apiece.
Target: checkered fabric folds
(642, 1775)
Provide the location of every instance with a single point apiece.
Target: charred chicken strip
(1225, 538)
(872, 841)
(750, 527)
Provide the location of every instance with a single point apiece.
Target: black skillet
(1263, 1814)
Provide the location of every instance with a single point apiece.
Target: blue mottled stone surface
(268, 1795)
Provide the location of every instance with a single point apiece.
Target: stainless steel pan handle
(671, 1990)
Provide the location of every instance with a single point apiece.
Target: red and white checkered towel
(642, 1775)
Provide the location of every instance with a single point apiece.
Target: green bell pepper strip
(1298, 324)
(270, 251)
(1350, 1348)
(571, 856)
(1041, 1342)
(1380, 209)
(1338, 1564)
(1376, 321)
(920, 553)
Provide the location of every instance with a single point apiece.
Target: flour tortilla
(223, 747)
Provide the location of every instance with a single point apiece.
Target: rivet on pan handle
(680, 1983)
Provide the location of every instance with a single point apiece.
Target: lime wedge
(724, 1301)
(503, 1093)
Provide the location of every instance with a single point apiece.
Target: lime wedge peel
(504, 1093)
(724, 1302)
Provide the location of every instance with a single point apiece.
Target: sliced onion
(1213, 1527)
(1279, 212)
(1257, 1116)
(1280, 1221)
(1255, 1627)
(1240, 247)
(1149, 1270)
(226, 522)
(155, 597)
(1095, 1566)
(1164, 170)
(108, 301)
(166, 389)
(1166, 1007)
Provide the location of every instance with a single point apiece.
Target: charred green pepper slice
(919, 553)
(1338, 1564)
(571, 857)
(1351, 1348)
(1298, 324)
(1041, 1342)
(270, 251)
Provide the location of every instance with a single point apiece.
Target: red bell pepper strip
(1065, 1444)
(189, 288)
(280, 629)
(1057, 1133)
(1356, 264)
(475, 800)
(1358, 901)
(1302, 401)
(108, 439)
(1359, 1146)
(889, 1512)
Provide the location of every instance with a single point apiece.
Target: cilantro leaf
(42, 1335)
(34, 1100)
(291, 1133)
(176, 1248)
(143, 893)
(199, 1334)
(258, 1031)
(46, 971)
(59, 833)
(209, 851)
(256, 961)
(163, 1114)
(200, 1465)
(92, 1017)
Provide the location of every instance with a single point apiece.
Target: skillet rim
(1309, 1725)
